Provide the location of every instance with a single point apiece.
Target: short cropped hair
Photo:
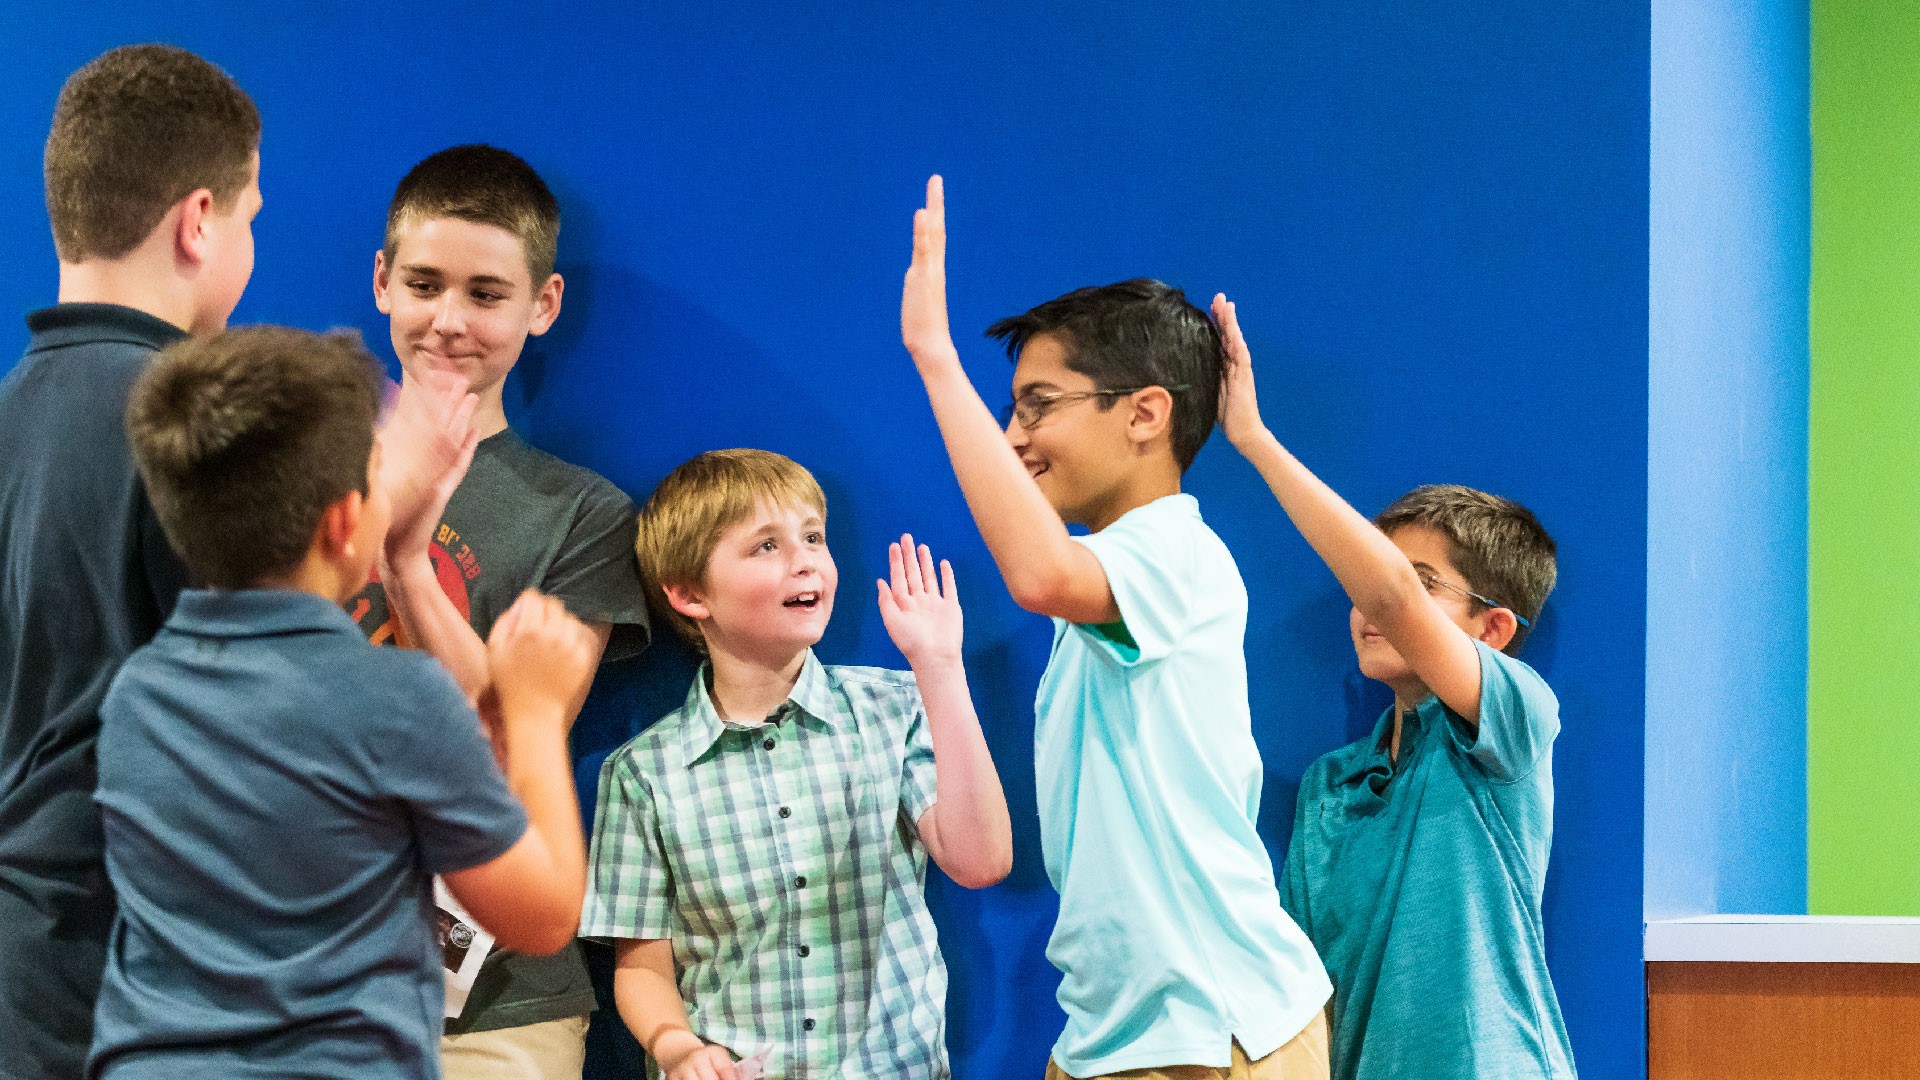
(134, 132)
(683, 519)
(1133, 334)
(244, 439)
(1495, 543)
(487, 186)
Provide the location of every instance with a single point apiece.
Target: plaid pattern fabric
(784, 863)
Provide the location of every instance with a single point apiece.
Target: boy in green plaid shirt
(759, 855)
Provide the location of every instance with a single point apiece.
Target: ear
(382, 274)
(1152, 414)
(1498, 627)
(546, 305)
(191, 240)
(333, 538)
(685, 600)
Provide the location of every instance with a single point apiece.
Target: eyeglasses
(1431, 581)
(1030, 409)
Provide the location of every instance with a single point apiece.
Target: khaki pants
(1303, 1058)
(555, 1050)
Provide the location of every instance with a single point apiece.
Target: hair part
(1135, 333)
(683, 519)
(244, 439)
(134, 132)
(1496, 544)
(487, 186)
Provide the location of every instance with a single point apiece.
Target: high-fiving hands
(425, 448)
(923, 300)
(1239, 406)
(921, 610)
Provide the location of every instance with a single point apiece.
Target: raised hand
(921, 611)
(425, 448)
(923, 300)
(1239, 406)
(541, 659)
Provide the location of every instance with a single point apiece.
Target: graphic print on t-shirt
(454, 564)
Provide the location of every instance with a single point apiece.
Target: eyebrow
(434, 271)
(1037, 384)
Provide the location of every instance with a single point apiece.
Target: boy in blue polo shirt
(275, 791)
(1419, 852)
(1173, 948)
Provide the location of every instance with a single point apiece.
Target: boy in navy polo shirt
(152, 170)
(1419, 853)
(276, 793)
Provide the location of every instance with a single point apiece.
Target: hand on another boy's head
(923, 300)
(542, 660)
(921, 609)
(425, 448)
(1239, 407)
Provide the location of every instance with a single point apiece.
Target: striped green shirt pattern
(784, 862)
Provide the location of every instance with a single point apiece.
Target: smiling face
(1431, 553)
(769, 585)
(1079, 452)
(461, 299)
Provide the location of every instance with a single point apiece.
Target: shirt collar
(242, 613)
(811, 696)
(77, 324)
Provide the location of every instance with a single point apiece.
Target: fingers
(888, 609)
(896, 568)
(948, 587)
(927, 578)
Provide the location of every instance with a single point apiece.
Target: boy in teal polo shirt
(1171, 942)
(1419, 852)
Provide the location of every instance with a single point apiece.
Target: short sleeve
(1519, 717)
(629, 886)
(1149, 570)
(596, 573)
(1295, 895)
(439, 762)
(918, 785)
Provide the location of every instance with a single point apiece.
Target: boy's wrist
(673, 1046)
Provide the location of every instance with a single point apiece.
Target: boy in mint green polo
(1172, 945)
(1419, 852)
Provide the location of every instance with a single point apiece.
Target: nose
(448, 320)
(1016, 435)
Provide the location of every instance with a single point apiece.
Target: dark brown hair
(1495, 543)
(136, 131)
(245, 438)
(487, 186)
(1134, 333)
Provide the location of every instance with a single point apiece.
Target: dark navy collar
(240, 613)
(86, 324)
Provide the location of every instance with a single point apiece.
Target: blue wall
(1433, 216)
(1726, 810)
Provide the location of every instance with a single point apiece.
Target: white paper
(463, 946)
(752, 1068)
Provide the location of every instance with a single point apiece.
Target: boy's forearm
(1375, 574)
(431, 623)
(540, 774)
(650, 1004)
(967, 830)
(1029, 543)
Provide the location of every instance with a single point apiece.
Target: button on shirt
(783, 860)
(1171, 941)
(275, 793)
(1420, 881)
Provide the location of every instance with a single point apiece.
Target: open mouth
(806, 601)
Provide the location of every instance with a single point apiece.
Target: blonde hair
(682, 521)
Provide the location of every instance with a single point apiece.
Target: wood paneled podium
(1783, 997)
